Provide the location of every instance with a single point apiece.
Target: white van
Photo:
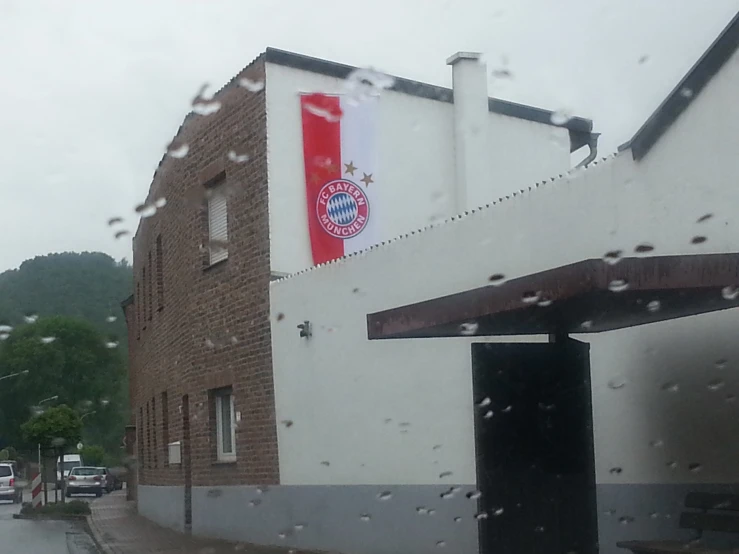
(64, 466)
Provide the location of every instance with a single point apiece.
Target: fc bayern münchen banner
(339, 153)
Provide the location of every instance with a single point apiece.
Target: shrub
(73, 507)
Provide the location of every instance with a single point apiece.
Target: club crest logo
(342, 208)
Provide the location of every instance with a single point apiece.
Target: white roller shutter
(217, 226)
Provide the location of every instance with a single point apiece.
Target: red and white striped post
(36, 490)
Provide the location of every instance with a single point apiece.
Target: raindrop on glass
(617, 383)
(654, 515)
(730, 398)
(251, 86)
(6, 328)
(121, 233)
(47, 340)
(547, 407)
(114, 221)
(716, 384)
(481, 515)
(328, 115)
(209, 344)
(657, 443)
(610, 512)
(488, 414)
(432, 512)
(698, 239)
(111, 344)
(643, 248)
(178, 150)
(4, 335)
(237, 158)
(671, 465)
(508, 409)
(468, 329)
(618, 285)
(501, 73)
(299, 526)
(457, 519)
(446, 495)
(587, 324)
(616, 471)
(704, 218)
(365, 83)
(721, 363)
(498, 511)
(544, 302)
(497, 278)
(671, 386)
(530, 297)
(654, 306)
(422, 510)
(441, 544)
(560, 117)
(30, 318)
(686, 92)
(365, 517)
(385, 495)
(612, 257)
(287, 423)
(625, 520)
(474, 495)
(444, 474)
(539, 528)
(485, 402)
(145, 210)
(695, 467)
(160, 202)
(111, 318)
(643, 59)
(730, 292)
(203, 103)
(325, 463)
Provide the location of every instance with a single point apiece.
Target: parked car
(85, 480)
(64, 466)
(108, 479)
(9, 489)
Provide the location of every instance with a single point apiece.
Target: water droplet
(209, 344)
(498, 511)
(654, 306)
(444, 474)
(111, 318)
(237, 158)
(539, 528)
(47, 340)
(422, 510)
(160, 202)
(282, 535)
(657, 443)
(730, 397)
(695, 467)
(610, 512)
(474, 495)
(721, 363)
(643, 59)
(432, 512)
(544, 302)
(617, 383)
(4, 336)
(715, 385)
(671, 465)
(508, 409)
(121, 233)
(671, 386)
(530, 297)
(6, 328)
(612, 257)
(560, 117)
(446, 495)
(488, 414)
(481, 515)
(501, 73)
(299, 526)
(547, 407)
(365, 83)
(280, 316)
(625, 520)
(497, 278)
(441, 544)
(30, 318)
(287, 423)
(325, 463)
(330, 115)
(178, 150)
(618, 285)
(457, 519)
(587, 324)
(468, 329)
(251, 86)
(437, 447)
(730, 292)
(643, 248)
(704, 218)
(365, 517)
(616, 471)
(485, 402)
(111, 344)
(385, 495)
(146, 210)
(686, 92)
(698, 239)
(654, 515)
(114, 221)
(203, 103)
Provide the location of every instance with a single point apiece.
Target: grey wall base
(353, 520)
(163, 505)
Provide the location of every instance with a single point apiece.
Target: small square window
(217, 226)
(225, 426)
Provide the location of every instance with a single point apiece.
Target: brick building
(201, 378)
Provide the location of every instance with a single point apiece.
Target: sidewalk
(118, 529)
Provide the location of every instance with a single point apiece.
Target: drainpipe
(593, 147)
(469, 77)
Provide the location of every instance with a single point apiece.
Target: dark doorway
(187, 461)
(534, 442)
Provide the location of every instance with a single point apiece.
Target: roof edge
(677, 101)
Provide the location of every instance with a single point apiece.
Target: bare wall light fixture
(305, 330)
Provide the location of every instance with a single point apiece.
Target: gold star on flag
(350, 168)
(367, 179)
(331, 168)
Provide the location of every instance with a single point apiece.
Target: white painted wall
(416, 156)
(339, 388)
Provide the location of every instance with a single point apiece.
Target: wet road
(18, 536)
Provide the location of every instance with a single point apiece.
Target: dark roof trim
(579, 128)
(686, 91)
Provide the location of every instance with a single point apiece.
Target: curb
(51, 517)
(96, 536)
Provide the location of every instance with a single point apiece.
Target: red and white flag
(339, 153)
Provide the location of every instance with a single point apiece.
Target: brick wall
(195, 327)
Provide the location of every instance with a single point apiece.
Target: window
(225, 428)
(165, 418)
(155, 450)
(149, 299)
(160, 273)
(217, 226)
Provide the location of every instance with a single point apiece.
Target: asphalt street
(18, 536)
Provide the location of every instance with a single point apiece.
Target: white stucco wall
(339, 388)
(416, 159)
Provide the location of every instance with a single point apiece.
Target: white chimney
(470, 85)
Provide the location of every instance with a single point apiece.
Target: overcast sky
(93, 91)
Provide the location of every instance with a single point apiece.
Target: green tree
(93, 455)
(57, 427)
(67, 362)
